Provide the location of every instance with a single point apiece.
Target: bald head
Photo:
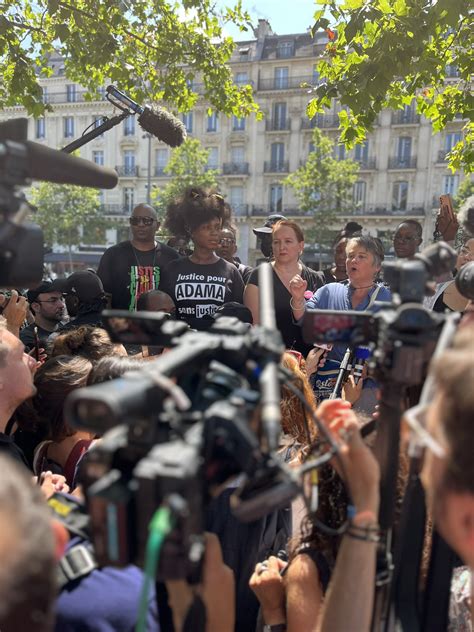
(144, 224)
(144, 209)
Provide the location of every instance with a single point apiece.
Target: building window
(451, 139)
(212, 122)
(44, 96)
(315, 79)
(98, 157)
(241, 78)
(277, 156)
(237, 155)
(129, 126)
(129, 163)
(358, 193)
(450, 185)
(279, 116)
(40, 128)
(213, 158)
(71, 93)
(238, 124)
(361, 152)
(339, 151)
(188, 122)
(285, 50)
(68, 126)
(236, 199)
(129, 198)
(404, 150)
(101, 92)
(281, 78)
(276, 198)
(98, 121)
(161, 160)
(399, 196)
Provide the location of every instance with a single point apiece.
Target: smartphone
(329, 326)
(445, 200)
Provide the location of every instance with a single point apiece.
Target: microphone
(154, 120)
(466, 215)
(361, 355)
(38, 162)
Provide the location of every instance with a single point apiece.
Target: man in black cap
(47, 305)
(85, 299)
(264, 235)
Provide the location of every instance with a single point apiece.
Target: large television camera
(178, 430)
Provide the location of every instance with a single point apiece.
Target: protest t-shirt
(198, 290)
(127, 273)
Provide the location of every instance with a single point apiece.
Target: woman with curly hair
(200, 283)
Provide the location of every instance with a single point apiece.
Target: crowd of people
(307, 567)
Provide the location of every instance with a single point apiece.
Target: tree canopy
(389, 53)
(323, 186)
(188, 166)
(68, 215)
(153, 49)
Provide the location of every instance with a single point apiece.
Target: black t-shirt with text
(127, 273)
(198, 290)
(290, 332)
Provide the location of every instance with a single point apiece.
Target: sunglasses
(415, 418)
(225, 241)
(146, 221)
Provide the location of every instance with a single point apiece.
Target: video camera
(21, 243)
(177, 431)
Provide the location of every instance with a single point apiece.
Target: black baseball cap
(85, 284)
(267, 227)
(232, 308)
(42, 288)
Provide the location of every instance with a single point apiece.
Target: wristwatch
(279, 627)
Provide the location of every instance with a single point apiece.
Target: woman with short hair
(364, 256)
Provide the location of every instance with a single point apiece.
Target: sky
(285, 16)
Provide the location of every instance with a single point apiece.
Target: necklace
(364, 287)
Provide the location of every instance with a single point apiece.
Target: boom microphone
(154, 120)
(38, 162)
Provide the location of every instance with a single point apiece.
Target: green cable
(160, 526)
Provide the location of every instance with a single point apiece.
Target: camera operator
(14, 308)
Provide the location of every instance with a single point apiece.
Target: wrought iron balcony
(235, 168)
(284, 83)
(400, 162)
(400, 117)
(323, 121)
(277, 125)
(280, 166)
(130, 171)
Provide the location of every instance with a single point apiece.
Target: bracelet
(368, 537)
(297, 309)
(366, 516)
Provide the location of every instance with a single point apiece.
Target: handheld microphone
(35, 161)
(154, 120)
(361, 355)
(466, 215)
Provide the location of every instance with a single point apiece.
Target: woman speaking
(288, 245)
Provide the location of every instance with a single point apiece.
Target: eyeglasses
(146, 221)
(465, 252)
(415, 417)
(226, 241)
(52, 301)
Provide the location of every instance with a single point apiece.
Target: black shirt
(8, 446)
(27, 336)
(198, 290)
(126, 272)
(290, 332)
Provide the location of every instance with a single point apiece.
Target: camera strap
(79, 561)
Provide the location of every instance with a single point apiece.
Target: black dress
(290, 332)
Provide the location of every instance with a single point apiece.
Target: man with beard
(47, 305)
(133, 267)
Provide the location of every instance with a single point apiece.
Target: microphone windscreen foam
(162, 124)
